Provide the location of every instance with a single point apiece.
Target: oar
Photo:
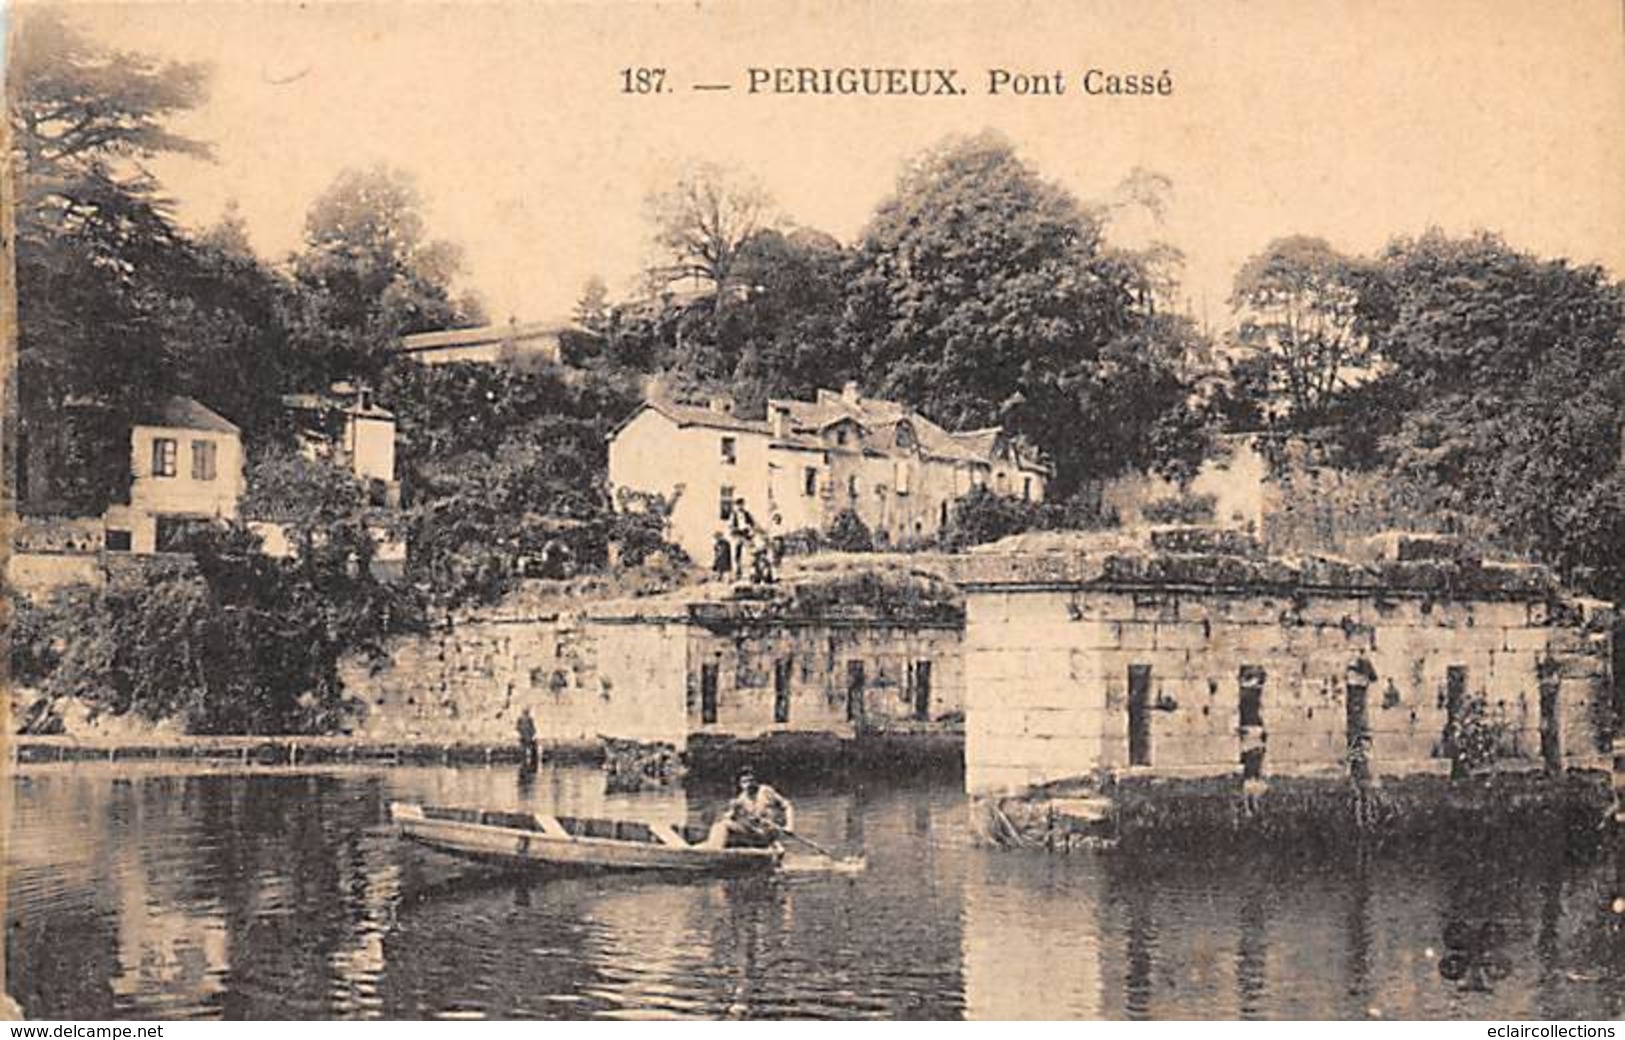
(810, 844)
(836, 864)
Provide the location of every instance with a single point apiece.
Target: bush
(804, 541)
(982, 516)
(850, 534)
(230, 642)
(1474, 740)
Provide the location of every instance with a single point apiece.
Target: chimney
(849, 393)
(722, 406)
(781, 421)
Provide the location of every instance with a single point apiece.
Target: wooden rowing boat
(535, 839)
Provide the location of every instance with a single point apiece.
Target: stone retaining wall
(1064, 649)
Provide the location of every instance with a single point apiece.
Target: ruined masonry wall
(580, 679)
(1048, 689)
(820, 653)
(639, 678)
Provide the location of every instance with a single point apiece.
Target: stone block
(1524, 639)
(1252, 610)
(1132, 635)
(1056, 722)
(1259, 643)
(1182, 636)
(989, 780)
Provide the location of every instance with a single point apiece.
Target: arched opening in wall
(1455, 709)
(1251, 722)
(1357, 724)
(781, 690)
(708, 693)
(854, 691)
(1551, 742)
(1139, 714)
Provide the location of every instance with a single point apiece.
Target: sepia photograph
(1007, 510)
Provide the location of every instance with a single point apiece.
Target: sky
(1356, 121)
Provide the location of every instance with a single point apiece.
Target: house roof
(484, 335)
(879, 416)
(697, 415)
(183, 413)
(809, 419)
(322, 403)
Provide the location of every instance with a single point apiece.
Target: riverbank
(1311, 815)
(286, 750)
(776, 754)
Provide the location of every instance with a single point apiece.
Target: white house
(512, 343)
(808, 462)
(186, 465)
(347, 428)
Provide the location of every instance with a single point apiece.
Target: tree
(497, 465)
(96, 248)
(982, 294)
(703, 222)
(1503, 393)
(84, 120)
(235, 642)
(982, 516)
(1300, 329)
(848, 533)
(592, 309)
(371, 275)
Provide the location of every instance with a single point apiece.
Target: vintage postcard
(856, 510)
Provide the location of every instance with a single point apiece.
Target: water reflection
(279, 894)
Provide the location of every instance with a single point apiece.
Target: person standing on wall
(722, 556)
(743, 528)
(529, 756)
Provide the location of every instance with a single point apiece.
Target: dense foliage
(504, 468)
(237, 643)
(1491, 388)
(981, 517)
(1473, 381)
(984, 294)
(848, 533)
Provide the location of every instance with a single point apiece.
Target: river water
(151, 892)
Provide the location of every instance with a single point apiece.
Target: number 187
(643, 81)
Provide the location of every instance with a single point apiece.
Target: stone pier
(1196, 657)
(826, 665)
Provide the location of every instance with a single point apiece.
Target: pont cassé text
(912, 81)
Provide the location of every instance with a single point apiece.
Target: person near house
(722, 556)
(761, 562)
(756, 817)
(742, 526)
(528, 754)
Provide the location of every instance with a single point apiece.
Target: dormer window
(905, 437)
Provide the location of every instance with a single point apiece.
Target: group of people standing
(744, 542)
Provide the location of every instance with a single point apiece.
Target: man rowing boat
(756, 818)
